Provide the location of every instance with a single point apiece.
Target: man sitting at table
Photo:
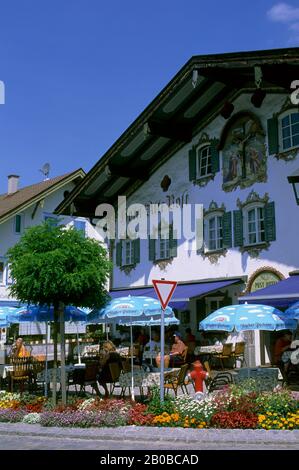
(18, 349)
(178, 350)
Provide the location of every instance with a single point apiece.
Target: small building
(21, 208)
(223, 134)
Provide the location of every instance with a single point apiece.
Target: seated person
(153, 344)
(281, 345)
(108, 355)
(18, 349)
(176, 355)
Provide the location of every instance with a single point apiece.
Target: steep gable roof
(10, 204)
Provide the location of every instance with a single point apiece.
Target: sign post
(164, 290)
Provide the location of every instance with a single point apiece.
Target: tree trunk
(62, 353)
(54, 397)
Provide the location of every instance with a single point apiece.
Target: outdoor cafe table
(43, 377)
(213, 349)
(144, 379)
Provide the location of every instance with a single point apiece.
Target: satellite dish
(45, 170)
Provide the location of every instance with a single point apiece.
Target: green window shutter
(273, 140)
(238, 228)
(136, 250)
(18, 224)
(215, 156)
(270, 226)
(173, 243)
(192, 164)
(227, 229)
(151, 249)
(119, 253)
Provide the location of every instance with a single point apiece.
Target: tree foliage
(52, 264)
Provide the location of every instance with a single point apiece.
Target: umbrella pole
(62, 353)
(132, 365)
(54, 398)
(46, 362)
(162, 357)
(78, 345)
(150, 338)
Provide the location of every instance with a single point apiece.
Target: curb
(153, 434)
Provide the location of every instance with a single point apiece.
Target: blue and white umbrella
(292, 312)
(131, 311)
(44, 313)
(247, 317)
(4, 314)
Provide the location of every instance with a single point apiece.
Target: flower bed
(237, 406)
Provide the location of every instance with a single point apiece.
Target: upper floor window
(289, 130)
(214, 233)
(255, 226)
(162, 248)
(18, 223)
(254, 222)
(204, 162)
(127, 252)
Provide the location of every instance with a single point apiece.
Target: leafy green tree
(55, 265)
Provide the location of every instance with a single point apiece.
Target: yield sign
(164, 291)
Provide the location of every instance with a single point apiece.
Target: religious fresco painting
(244, 154)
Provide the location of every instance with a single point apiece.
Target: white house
(223, 133)
(21, 208)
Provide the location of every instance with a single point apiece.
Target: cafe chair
(239, 353)
(220, 381)
(115, 371)
(21, 373)
(225, 354)
(173, 382)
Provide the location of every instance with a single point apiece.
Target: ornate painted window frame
(291, 154)
(212, 255)
(253, 200)
(203, 141)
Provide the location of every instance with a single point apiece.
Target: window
(18, 223)
(2, 274)
(289, 131)
(163, 251)
(127, 253)
(215, 237)
(204, 162)
(214, 226)
(80, 225)
(255, 226)
(51, 218)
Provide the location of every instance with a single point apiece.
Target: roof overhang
(188, 103)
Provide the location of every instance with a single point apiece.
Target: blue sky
(78, 72)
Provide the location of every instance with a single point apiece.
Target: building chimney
(13, 181)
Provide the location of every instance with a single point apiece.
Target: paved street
(28, 437)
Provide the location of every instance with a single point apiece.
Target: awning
(283, 294)
(182, 294)
(11, 303)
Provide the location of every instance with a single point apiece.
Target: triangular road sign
(164, 291)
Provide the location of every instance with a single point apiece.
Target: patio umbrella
(292, 312)
(4, 313)
(130, 311)
(45, 313)
(247, 317)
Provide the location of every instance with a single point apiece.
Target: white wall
(191, 266)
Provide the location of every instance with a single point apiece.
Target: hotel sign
(262, 278)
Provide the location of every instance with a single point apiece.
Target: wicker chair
(174, 382)
(21, 373)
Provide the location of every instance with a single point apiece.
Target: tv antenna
(45, 170)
